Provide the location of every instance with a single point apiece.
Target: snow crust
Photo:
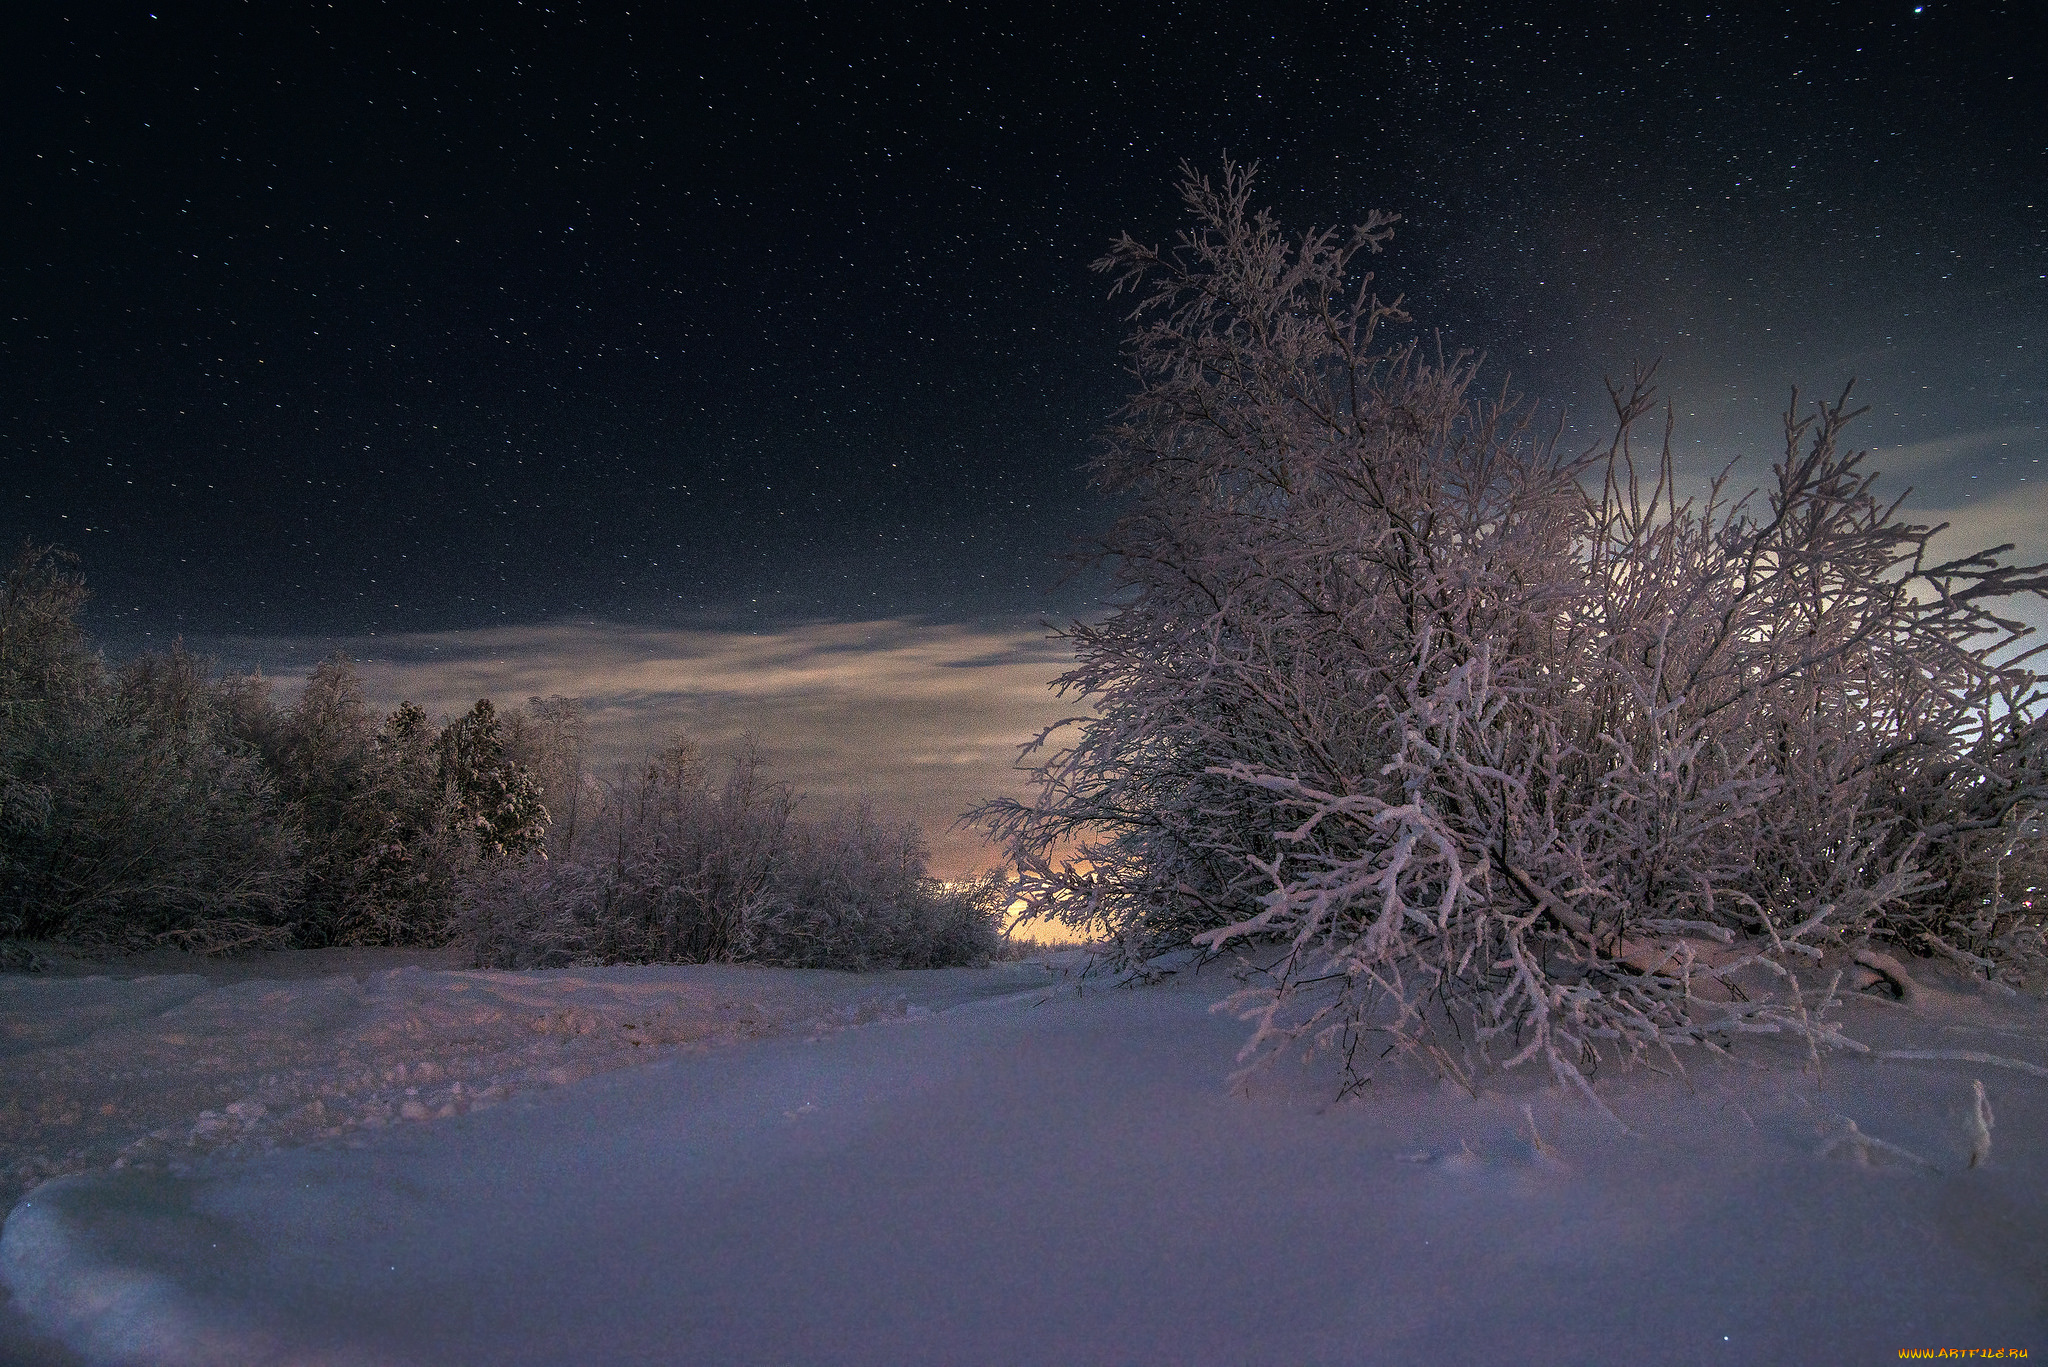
(1059, 1174)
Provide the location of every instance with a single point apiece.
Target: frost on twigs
(1512, 754)
(1868, 1148)
(1980, 1124)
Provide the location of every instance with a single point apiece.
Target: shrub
(961, 922)
(671, 872)
(851, 892)
(1479, 733)
(676, 868)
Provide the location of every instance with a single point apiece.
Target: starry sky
(479, 333)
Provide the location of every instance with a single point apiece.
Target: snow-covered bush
(672, 871)
(844, 892)
(1489, 735)
(673, 867)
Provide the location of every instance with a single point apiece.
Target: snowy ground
(242, 1056)
(996, 1165)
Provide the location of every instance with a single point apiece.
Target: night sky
(399, 323)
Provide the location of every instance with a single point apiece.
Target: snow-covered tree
(493, 801)
(1491, 735)
(130, 812)
(547, 740)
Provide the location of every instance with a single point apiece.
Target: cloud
(2018, 515)
(923, 720)
(1943, 452)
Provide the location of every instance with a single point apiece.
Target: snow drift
(1067, 1175)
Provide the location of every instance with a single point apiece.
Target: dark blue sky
(323, 321)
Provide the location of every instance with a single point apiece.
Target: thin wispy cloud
(2018, 516)
(1962, 447)
(923, 720)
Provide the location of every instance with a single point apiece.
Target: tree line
(159, 802)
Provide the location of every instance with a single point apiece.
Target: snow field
(160, 1071)
(1067, 1176)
